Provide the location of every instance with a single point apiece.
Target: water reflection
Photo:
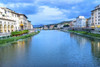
(96, 48)
(95, 45)
(79, 39)
(14, 52)
(52, 49)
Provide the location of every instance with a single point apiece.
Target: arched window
(0, 28)
(12, 28)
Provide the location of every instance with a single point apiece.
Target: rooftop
(97, 7)
(13, 11)
(81, 17)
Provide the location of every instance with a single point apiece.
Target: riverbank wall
(4, 41)
(85, 35)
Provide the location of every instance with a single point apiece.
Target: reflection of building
(12, 21)
(80, 40)
(96, 48)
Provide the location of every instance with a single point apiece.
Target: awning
(92, 26)
(98, 26)
(21, 24)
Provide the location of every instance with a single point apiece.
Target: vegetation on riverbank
(11, 39)
(86, 33)
(18, 33)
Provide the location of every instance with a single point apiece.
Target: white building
(12, 21)
(90, 24)
(46, 27)
(96, 17)
(73, 24)
(60, 26)
(80, 22)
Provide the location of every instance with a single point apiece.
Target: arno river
(52, 49)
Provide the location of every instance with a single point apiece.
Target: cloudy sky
(51, 11)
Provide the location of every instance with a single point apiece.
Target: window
(98, 9)
(8, 11)
(98, 16)
(5, 12)
(0, 22)
(98, 19)
(99, 13)
(98, 22)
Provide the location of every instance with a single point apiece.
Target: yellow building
(95, 17)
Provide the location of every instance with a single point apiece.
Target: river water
(52, 48)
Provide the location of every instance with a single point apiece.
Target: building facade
(12, 21)
(90, 24)
(29, 25)
(46, 27)
(73, 24)
(60, 26)
(81, 22)
(51, 27)
(95, 17)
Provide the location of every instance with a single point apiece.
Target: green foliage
(16, 33)
(66, 25)
(3, 41)
(86, 33)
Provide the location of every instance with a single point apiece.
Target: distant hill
(37, 26)
(59, 23)
(64, 22)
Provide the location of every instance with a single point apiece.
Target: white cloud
(48, 15)
(70, 1)
(2, 5)
(16, 5)
(59, 1)
(96, 1)
(73, 7)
